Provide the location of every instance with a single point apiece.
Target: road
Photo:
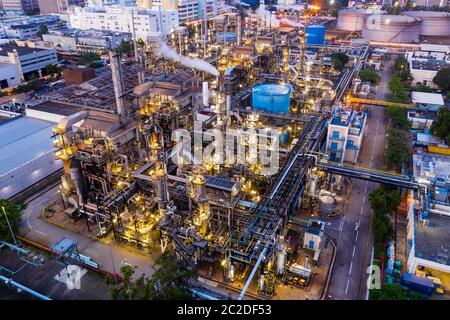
(34, 228)
(354, 245)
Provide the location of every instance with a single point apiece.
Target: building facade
(22, 6)
(147, 23)
(58, 6)
(28, 60)
(345, 135)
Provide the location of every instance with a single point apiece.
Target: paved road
(354, 241)
(354, 247)
(35, 229)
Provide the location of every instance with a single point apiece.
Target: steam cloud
(195, 63)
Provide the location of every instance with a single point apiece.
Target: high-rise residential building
(147, 22)
(23, 6)
(58, 6)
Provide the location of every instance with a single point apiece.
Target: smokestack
(205, 94)
(117, 78)
(239, 31)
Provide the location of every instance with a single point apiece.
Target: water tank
(326, 204)
(315, 34)
(434, 23)
(392, 28)
(226, 37)
(352, 19)
(273, 98)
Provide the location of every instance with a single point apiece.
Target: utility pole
(9, 226)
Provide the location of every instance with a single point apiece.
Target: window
(350, 144)
(335, 135)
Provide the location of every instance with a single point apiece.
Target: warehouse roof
(7, 48)
(23, 139)
(427, 98)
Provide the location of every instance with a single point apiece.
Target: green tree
(383, 203)
(52, 69)
(441, 126)
(127, 289)
(393, 292)
(88, 58)
(124, 48)
(42, 30)
(397, 90)
(169, 282)
(397, 148)
(13, 212)
(339, 60)
(442, 79)
(369, 75)
(398, 117)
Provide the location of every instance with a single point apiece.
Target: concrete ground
(110, 257)
(42, 280)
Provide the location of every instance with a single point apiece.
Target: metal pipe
(22, 287)
(252, 274)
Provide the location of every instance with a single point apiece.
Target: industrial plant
(239, 139)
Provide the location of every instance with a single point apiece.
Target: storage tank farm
(273, 98)
(434, 23)
(353, 19)
(315, 35)
(392, 28)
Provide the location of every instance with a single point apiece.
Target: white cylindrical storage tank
(205, 93)
(352, 19)
(391, 28)
(434, 23)
(326, 204)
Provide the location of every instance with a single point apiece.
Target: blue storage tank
(226, 36)
(315, 34)
(273, 98)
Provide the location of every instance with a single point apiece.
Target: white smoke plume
(194, 63)
(267, 16)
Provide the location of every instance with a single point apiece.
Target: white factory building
(425, 63)
(345, 135)
(26, 148)
(28, 60)
(9, 75)
(147, 22)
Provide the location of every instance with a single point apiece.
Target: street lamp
(395, 6)
(9, 225)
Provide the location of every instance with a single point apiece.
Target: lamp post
(9, 226)
(395, 6)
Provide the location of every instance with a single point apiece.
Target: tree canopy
(442, 79)
(89, 58)
(441, 126)
(397, 90)
(43, 29)
(124, 48)
(383, 203)
(397, 148)
(393, 291)
(398, 117)
(339, 60)
(13, 212)
(169, 282)
(369, 75)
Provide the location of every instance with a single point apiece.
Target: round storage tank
(272, 98)
(391, 28)
(326, 204)
(315, 34)
(434, 23)
(353, 19)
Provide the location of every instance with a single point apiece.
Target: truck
(416, 283)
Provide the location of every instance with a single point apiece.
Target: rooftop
(55, 107)
(23, 139)
(431, 65)
(347, 117)
(427, 98)
(428, 165)
(433, 241)
(8, 48)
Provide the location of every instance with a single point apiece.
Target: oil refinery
(246, 143)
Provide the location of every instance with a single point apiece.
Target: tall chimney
(239, 30)
(117, 78)
(205, 94)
